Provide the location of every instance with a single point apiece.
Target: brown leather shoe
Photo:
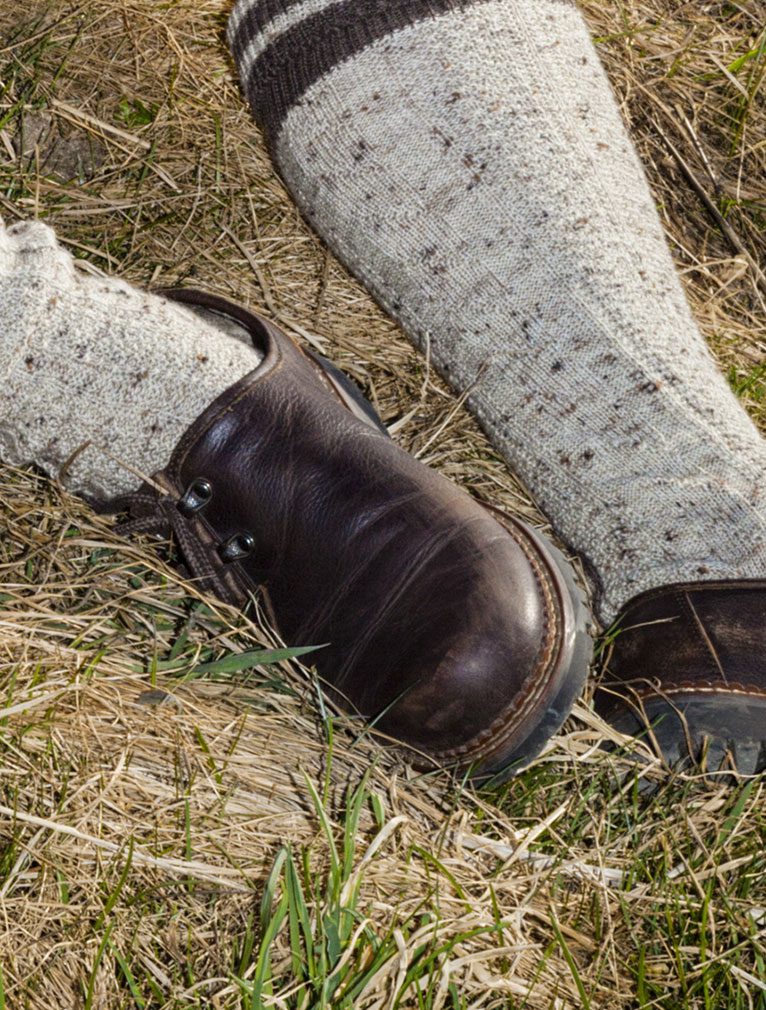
(689, 661)
(459, 631)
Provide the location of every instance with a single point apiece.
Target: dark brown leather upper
(690, 638)
(440, 622)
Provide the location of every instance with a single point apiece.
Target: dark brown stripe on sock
(260, 14)
(298, 57)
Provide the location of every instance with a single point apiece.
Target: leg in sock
(91, 359)
(468, 162)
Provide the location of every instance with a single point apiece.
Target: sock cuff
(282, 47)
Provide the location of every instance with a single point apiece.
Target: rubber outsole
(706, 732)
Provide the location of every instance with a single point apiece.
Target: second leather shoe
(687, 671)
(457, 630)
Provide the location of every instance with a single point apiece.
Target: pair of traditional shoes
(455, 629)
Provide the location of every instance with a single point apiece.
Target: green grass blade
(125, 969)
(572, 964)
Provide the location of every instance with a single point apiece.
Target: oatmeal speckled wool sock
(467, 160)
(92, 359)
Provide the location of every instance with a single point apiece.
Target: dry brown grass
(135, 839)
(191, 788)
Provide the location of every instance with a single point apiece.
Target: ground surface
(181, 826)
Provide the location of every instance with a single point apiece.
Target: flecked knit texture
(90, 359)
(471, 167)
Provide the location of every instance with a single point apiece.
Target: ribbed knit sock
(466, 159)
(91, 359)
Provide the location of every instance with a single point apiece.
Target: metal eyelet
(195, 497)
(240, 546)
